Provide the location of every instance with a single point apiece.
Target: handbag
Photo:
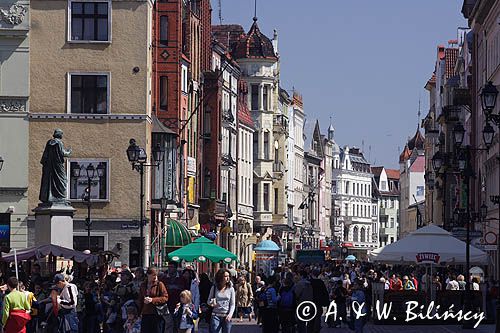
(163, 311)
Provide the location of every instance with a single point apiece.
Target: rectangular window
(163, 30)
(207, 123)
(256, 197)
(392, 222)
(89, 93)
(420, 191)
(334, 187)
(78, 181)
(255, 97)
(163, 93)
(266, 145)
(266, 197)
(90, 21)
(80, 243)
(255, 145)
(346, 209)
(265, 97)
(276, 201)
(184, 78)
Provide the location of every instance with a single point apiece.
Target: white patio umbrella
(430, 244)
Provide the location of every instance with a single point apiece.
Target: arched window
(363, 235)
(355, 234)
(368, 238)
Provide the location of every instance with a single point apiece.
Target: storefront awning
(177, 234)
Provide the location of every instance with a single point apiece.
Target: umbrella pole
(15, 262)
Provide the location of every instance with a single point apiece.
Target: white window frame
(184, 79)
(95, 234)
(110, 24)
(93, 160)
(108, 93)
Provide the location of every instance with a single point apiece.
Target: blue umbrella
(350, 258)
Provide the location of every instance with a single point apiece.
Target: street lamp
(1, 162)
(489, 95)
(437, 161)
(137, 156)
(483, 211)
(458, 134)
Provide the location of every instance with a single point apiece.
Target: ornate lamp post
(1, 162)
(489, 95)
(91, 173)
(138, 158)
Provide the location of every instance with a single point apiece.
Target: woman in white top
(222, 299)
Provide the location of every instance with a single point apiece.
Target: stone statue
(54, 182)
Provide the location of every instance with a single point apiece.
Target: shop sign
(191, 166)
(428, 257)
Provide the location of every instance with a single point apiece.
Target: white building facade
(14, 125)
(386, 183)
(352, 193)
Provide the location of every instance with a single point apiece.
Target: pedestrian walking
(287, 305)
(67, 302)
(223, 301)
(15, 314)
(185, 313)
(270, 311)
(358, 295)
(244, 298)
(153, 294)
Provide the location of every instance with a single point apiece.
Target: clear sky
(362, 62)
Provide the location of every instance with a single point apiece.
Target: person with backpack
(260, 300)
(244, 298)
(286, 305)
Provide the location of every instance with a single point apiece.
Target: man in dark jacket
(321, 299)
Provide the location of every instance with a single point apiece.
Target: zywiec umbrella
(350, 258)
(202, 249)
(428, 244)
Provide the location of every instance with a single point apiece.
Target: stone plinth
(54, 225)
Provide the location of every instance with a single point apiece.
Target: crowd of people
(181, 299)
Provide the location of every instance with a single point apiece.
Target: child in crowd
(133, 322)
(185, 313)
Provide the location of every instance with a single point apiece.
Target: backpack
(286, 299)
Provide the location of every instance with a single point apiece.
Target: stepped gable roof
(392, 173)
(228, 34)
(254, 45)
(405, 154)
(417, 141)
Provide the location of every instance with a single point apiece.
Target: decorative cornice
(15, 15)
(82, 116)
(12, 104)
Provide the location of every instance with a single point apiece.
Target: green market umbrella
(202, 249)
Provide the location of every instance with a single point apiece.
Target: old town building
(412, 183)
(386, 188)
(78, 85)
(14, 126)
(352, 193)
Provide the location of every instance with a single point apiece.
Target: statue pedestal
(54, 225)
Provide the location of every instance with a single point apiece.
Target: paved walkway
(246, 327)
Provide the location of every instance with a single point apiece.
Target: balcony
(461, 96)
(280, 123)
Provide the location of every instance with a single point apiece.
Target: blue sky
(362, 62)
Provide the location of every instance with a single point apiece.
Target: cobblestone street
(252, 327)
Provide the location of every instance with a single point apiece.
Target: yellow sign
(191, 190)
